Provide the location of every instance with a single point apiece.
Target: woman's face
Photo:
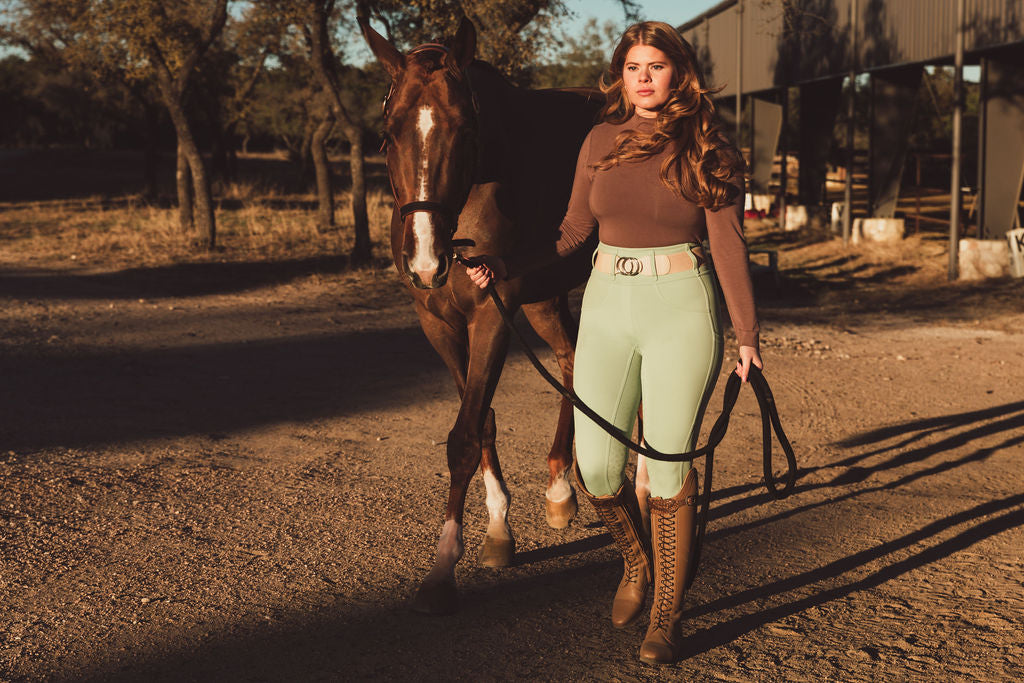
(648, 77)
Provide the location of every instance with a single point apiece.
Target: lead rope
(769, 421)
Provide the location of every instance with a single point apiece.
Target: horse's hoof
(497, 552)
(436, 597)
(561, 513)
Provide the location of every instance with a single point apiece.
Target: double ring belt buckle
(628, 265)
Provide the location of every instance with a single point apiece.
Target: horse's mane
(491, 70)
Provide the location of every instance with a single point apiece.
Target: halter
(430, 206)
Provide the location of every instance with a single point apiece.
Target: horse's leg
(437, 594)
(488, 342)
(643, 480)
(499, 545)
(555, 325)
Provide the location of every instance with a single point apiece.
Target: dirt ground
(236, 471)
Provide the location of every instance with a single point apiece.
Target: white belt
(664, 264)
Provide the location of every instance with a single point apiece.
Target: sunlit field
(256, 221)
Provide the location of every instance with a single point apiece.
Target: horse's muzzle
(437, 279)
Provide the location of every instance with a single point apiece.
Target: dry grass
(255, 222)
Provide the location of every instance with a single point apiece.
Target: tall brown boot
(620, 514)
(673, 530)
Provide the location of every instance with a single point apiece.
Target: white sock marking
(449, 552)
(643, 480)
(498, 499)
(559, 490)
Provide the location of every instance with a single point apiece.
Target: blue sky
(674, 12)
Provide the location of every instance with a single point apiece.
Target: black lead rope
(769, 421)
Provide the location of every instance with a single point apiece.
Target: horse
(482, 166)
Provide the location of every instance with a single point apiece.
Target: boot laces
(632, 558)
(666, 558)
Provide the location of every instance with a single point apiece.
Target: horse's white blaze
(423, 258)
(424, 124)
(559, 490)
(497, 499)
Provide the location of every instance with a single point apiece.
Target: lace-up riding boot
(620, 514)
(673, 529)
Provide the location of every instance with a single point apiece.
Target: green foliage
(91, 63)
(47, 105)
(511, 34)
(581, 60)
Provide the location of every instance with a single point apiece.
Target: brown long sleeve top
(631, 207)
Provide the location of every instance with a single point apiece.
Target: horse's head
(430, 128)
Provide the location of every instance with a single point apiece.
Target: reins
(765, 400)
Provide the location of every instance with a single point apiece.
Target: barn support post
(783, 149)
(955, 200)
(739, 69)
(819, 104)
(766, 118)
(1001, 144)
(893, 96)
(851, 110)
(982, 137)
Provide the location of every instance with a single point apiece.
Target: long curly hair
(702, 164)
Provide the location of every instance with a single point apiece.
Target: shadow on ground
(117, 395)
(383, 639)
(173, 281)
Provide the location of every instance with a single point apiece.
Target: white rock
(796, 217)
(877, 230)
(979, 259)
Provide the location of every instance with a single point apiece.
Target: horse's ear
(463, 48)
(384, 51)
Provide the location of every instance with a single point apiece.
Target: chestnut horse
(479, 165)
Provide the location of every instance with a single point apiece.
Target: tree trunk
(183, 176)
(151, 155)
(324, 195)
(172, 90)
(218, 172)
(203, 211)
(321, 59)
(205, 219)
(231, 143)
(306, 148)
(361, 251)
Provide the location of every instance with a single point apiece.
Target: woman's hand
(748, 355)
(485, 269)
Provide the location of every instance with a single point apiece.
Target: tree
(141, 41)
(167, 42)
(322, 58)
(226, 84)
(581, 60)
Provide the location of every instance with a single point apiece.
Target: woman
(656, 178)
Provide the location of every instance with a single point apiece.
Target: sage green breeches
(652, 338)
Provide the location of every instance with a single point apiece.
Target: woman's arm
(729, 251)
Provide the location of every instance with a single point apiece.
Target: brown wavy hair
(703, 164)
